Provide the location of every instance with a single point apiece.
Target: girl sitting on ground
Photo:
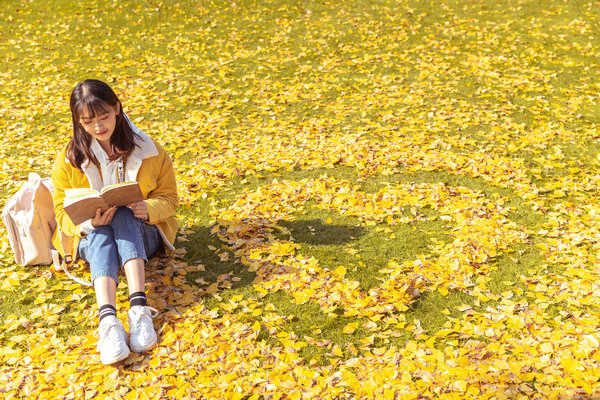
(105, 149)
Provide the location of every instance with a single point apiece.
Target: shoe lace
(108, 331)
(146, 314)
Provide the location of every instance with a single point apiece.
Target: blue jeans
(107, 248)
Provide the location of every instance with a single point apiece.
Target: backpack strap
(67, 243)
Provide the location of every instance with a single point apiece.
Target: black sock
(137, 299)
(106, 310)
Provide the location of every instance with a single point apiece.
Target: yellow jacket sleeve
(163, 201)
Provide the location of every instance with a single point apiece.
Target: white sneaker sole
(118, 357)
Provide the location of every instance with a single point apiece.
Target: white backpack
(30, 222)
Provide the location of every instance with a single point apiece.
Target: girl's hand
(140, 210)
(103, 218)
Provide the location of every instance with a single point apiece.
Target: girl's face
(102, 126)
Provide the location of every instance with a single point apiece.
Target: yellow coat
(149, 165)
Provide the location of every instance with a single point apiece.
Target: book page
(74, 195)
(122, 194)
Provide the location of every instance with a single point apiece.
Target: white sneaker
(142, 336)
(112, 342)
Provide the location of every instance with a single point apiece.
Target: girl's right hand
(103, 218)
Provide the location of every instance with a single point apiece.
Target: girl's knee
(123, 213)
(125, 224)
(123, 219)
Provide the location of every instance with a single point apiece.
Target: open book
(81, 203)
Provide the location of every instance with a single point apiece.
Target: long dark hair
(95, 98)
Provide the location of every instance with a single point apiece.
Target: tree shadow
(314, 232)
(165, 277)
(206, 249)
(203, 248)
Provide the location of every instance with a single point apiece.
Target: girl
(106, 148)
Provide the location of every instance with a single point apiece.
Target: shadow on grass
(199, 252)
(314, 232)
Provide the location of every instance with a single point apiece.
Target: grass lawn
(379, 199)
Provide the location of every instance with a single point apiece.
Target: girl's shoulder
(147, 146)
(61, 158)
(62, 166)
(161, 150)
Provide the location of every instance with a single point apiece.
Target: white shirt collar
(98, 151)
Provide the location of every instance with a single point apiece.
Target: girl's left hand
(140, 210)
